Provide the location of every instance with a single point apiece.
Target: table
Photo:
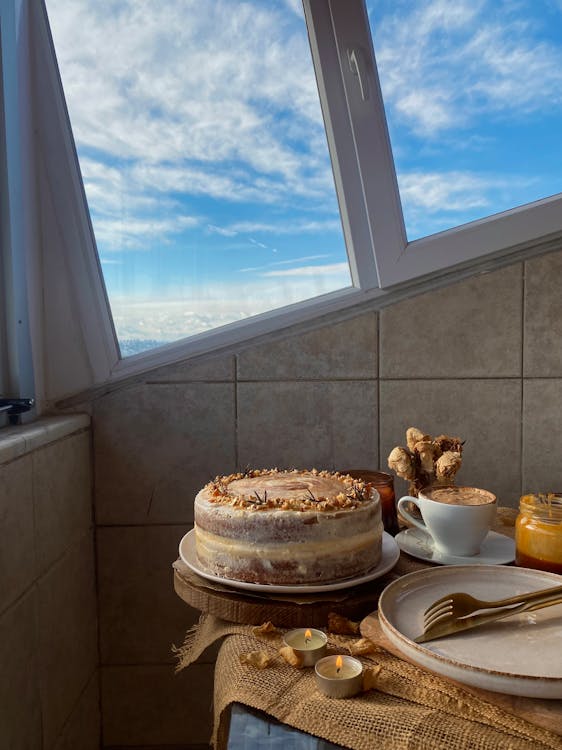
(251, 730)
(255, 730)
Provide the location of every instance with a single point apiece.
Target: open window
(204, 158)
(235, 168)
(470, 95)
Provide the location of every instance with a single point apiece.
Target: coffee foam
(459, 495)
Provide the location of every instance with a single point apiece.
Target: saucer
(496, 549)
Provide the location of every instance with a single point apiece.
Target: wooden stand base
(236, 605)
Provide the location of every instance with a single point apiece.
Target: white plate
(521, 655)
(389, 558)
(496, 549)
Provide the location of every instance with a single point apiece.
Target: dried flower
(291, 656)
(258, 659)
(341, 625)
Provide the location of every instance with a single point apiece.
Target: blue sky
(205, 160)
(473, 92)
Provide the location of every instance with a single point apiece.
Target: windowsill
(21, 439)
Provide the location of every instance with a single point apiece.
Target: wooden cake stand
(290, 611)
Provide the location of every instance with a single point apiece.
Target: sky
(204, 156)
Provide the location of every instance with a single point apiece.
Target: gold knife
(459, 625)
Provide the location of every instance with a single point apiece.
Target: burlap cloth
(411, 709)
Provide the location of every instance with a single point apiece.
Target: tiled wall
(481, 359)
(49, 693)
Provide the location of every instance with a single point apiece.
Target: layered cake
(288, 527)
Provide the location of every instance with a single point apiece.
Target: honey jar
(384, 484)
(538, 532)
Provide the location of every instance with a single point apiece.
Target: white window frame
(531, 228)
(384, 266)
(16, 202)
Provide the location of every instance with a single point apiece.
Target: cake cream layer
(211, 545)
(284, 564)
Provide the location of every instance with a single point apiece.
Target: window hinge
(357, 66)
(15, 407)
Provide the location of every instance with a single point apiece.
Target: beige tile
(17, 553)
(12, 444)
(20, 708)
(67, 635)
(48, 429)
(206, 368)
(82, 731)
(62, 490)
(341, 350)
(327, 425)
(469, 329)
(542, 356)
(141, 616)
(542, 435)
(156, 446)
(484, 413)
(21, 439)
(150, 705)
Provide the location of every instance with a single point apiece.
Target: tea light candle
(308, 642)
(339, 676)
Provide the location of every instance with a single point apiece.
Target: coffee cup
(458, 519)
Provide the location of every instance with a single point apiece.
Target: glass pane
(204, 157)
(473, 100)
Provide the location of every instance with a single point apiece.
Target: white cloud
(180, 84)
(443, 65)
(223, 231)
(117, 233)
(292, 261)
(110, 261)
(454, 191)
(218, 304)
(295, 6)
(334, 269)
(292, 227)
(176, 100)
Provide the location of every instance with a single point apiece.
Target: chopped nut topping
(353, 492)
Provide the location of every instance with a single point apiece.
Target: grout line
(134, 525)
(522, 402)
(188, 382)
(236, 445)
(408, 378)
(96, 573)
(19, 598)
(378, 424)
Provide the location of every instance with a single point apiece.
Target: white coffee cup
(458, 519)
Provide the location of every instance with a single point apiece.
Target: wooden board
(291, 612)
(543, 713)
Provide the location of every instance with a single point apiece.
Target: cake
(288, 527)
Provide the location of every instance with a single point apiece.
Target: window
(204, 157)
(382, 200)
(420, 38)
(472, 99)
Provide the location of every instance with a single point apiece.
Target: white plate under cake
(288, 527)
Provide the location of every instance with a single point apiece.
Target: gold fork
(460, 604)
(449, 624)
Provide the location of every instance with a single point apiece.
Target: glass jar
(384, 484)
(538, 532)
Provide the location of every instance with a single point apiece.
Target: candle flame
(339, 663)
(307, 633)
